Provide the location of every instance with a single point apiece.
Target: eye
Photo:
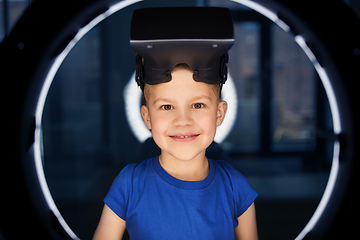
(166, 107)
(198, 105)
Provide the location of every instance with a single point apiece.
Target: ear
(146, 116)
(221, 112)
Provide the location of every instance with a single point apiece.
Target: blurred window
(244, 67)
(293, 99)
(10, 12)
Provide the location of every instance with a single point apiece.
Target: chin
(185, 157)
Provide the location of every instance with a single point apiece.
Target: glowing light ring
(41, 102)
(335, 113)
(255, 6)
(266, 12)
(230, 96)
(132, 97)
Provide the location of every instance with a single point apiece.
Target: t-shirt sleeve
(244, 195)
(118, 196)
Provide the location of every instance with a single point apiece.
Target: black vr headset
(197, 36)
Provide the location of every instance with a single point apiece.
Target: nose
(183, 118)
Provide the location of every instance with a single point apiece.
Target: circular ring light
(39, 59)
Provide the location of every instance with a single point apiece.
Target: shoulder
(117, 198)
(129, 176)
(232, 176)
(226, 169)
(244, 195)
(133, 171)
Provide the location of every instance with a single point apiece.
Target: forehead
(181, 87)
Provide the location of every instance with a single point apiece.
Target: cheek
(159, 124)
(159, 129)
(207, 122)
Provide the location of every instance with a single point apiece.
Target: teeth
(183, 136)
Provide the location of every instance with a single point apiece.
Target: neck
(196, 169)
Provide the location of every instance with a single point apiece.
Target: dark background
(281, 139)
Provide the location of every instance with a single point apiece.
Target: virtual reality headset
(197, 36)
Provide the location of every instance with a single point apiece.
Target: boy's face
(183, 115)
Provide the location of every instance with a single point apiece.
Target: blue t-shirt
(156, 205)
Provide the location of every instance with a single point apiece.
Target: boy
(180, 194)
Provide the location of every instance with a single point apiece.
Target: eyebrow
(201, 97)
(162, 100)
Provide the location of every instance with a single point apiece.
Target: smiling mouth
(184, 137)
